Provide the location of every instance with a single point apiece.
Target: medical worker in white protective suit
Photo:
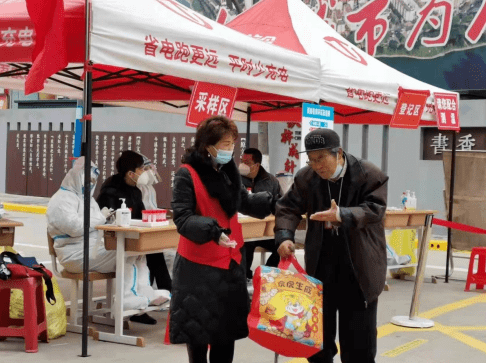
(149, 198)
(65, 213)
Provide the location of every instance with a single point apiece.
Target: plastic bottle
(403, 201)
(123, 215)
(409, 200)
(413, 204)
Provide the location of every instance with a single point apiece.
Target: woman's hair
(209, 132)
(128, 161)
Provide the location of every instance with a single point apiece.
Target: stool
(34, 323)
(478, 278)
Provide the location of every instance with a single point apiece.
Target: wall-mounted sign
(435, 141)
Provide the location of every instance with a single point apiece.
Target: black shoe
(143, 319)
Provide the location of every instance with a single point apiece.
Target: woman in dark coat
(210, 301)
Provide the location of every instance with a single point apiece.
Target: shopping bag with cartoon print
(286, 311)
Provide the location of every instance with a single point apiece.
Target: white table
(134, 241)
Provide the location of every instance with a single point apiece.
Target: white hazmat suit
(65, 216)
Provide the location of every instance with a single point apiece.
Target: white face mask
(143, 179)
(244, 169)
(339, 169)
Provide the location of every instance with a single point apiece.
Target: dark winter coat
(263, 181)
(362, 211)
(115, 188)
(210, 305)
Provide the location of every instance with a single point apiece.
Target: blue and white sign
(314, 117)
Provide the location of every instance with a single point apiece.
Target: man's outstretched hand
(329, 215)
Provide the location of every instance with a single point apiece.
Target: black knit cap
(320, 139)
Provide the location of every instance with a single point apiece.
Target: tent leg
(345, 137)
(248, 121)
(364, 141)
(86, 149)
(384, 150)
(451, 204)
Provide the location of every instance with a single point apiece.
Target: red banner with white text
(447, 111)
(209, 99)
(409, 109)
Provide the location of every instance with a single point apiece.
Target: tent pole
(87, 101)
(451, 203)
(248, 121)
(364, 141)
(384, 149)
(345, 136)
(237, 6)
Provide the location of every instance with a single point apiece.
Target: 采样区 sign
(208, 99)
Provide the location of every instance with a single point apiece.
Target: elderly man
(344, 199)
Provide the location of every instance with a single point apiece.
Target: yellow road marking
(454, 306)
(404, 348)
(25, 208)
(454, 332)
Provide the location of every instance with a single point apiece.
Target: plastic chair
(96, 313)
(34, 325)
(478, 278)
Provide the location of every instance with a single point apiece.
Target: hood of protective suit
(74, 179)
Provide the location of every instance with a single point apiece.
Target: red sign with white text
(447, 111)
(209, 99)
(409, 110)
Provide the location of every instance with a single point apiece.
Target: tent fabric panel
(132, 35)
(349, 76)
(15, 16)
(263, 24)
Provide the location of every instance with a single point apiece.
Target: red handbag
(286, 312)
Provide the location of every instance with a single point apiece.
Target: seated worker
(65, 215)
(131, 172)
(149, 197)
(257, 179)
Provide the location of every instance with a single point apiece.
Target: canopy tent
(352, 82)
(146, 53)
(149, 53)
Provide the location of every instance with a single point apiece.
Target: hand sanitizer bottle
(123, 215)
(413, 202)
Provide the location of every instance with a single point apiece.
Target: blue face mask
(223, 156)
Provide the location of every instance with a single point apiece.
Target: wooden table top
(170, 226)
(410, 212)
(7, 223)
